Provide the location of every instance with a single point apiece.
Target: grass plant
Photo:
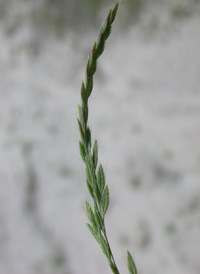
(95, 176)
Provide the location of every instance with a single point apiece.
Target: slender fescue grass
(95, 176)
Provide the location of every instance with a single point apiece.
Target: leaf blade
(131, 265)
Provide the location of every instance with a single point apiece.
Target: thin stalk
(114, 269)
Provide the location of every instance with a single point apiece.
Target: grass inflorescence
(95, 176)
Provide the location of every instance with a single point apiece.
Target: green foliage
(95, 176)
(105, 200)
(95, 154)
(131, 265)
(101, 178)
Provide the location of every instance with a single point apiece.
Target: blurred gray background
(145, 113)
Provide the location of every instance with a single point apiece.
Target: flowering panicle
(95, 176)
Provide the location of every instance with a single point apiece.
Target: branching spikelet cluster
(95, 176)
